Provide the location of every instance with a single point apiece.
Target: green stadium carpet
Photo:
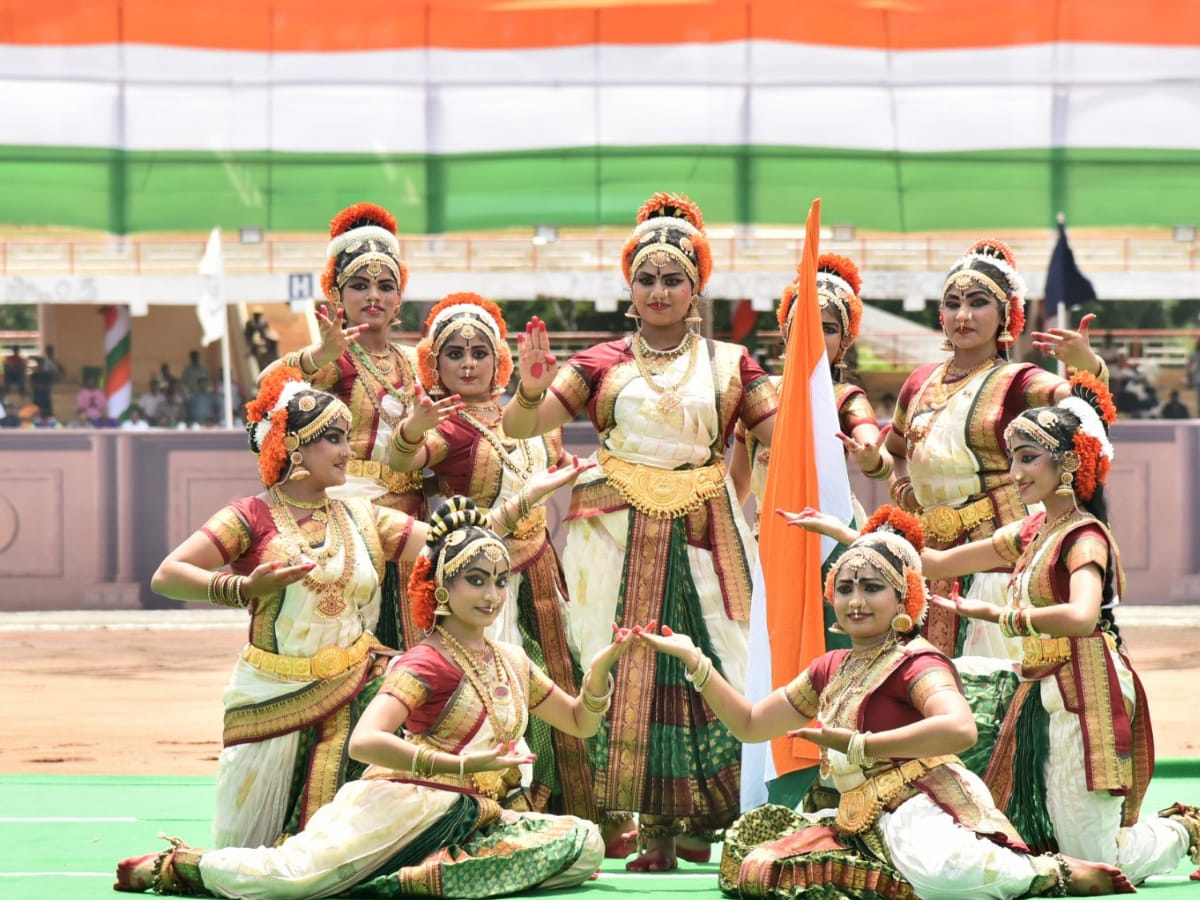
(61, 836)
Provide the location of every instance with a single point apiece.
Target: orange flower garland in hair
(672, 206)
(999, 250)
(1093, 467)
(272, 456)
(351, 217)
(420, 593)
(903, 523)
(427, 364)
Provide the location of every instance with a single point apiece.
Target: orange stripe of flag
(791, 557)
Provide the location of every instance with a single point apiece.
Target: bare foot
(659, 856)
(1089, 879)
(135, 874)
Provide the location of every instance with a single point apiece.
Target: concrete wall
(86, 516)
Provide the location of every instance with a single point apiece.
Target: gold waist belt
(530, 526)
(663, 493)
(859, 807)
(948, 523)
(328, 662)
(395, 481)
(1040, 650)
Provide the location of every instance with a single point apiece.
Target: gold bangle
(883, 470)
(462, 775)
(403, 446)
(304, 370)
(527, 402)
(597, 704)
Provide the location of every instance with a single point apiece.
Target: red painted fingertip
(667, 631)
(552, 469)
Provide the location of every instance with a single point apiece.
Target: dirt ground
(148, 702)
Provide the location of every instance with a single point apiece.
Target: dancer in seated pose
(443, 739)
(1075, 752)
(655, 531)
(308, 569)
(889, 716)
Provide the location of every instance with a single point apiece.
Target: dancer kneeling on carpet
(443, 737)
(890, 717)
(1074, 754)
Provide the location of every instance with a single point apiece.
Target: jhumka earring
(902, 622)
(1005, 338)
(436, 389)
(694, 319)
(632, 313)
(298, 473)
(835, 628)
(442, 596)
(1067, 469)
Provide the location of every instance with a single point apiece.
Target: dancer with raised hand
(364, 280)
(889, 717)
(308, 568)
(465, 353)
(442, 738)
(655, 532)
(947, 436)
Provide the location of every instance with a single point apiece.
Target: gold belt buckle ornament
(943, 523)
(330, 661)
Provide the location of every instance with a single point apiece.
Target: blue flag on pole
(1065, 284)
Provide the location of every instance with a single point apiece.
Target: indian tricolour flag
(144, 115)
(807, 468)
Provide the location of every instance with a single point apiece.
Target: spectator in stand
(173, 411)
(167, 379)
(261, 340)
(80, 420)
(152, 401)
(41, 382)
(1120, 373)
(193, 372)
(14, 371)
(1193, 370)
(91, 399)
(135, 421)
(1136, 397)
(1174, 408)
(237, 399)
(1109, 351)
(51, 364)
(28, 415)
(9, 409)
(203, 404)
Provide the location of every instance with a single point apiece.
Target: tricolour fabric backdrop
(134, 115)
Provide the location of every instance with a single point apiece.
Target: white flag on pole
(210, 307)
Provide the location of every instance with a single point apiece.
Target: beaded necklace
(329, 586)
(668, 395)
(524, 472)
(495, 697)
(365, 367)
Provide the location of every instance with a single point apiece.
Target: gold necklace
(668, 396)
(1045, 530)
(847, 683)
(364, 366)
(492, 696)
(523, 472)
(942, 391)
(328, 586)
(323, 503)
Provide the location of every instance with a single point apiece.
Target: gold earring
(298, 473)
(1067, 469)
(694, 319)
(632, 313)
(442, 596)
(436, 389)
(835, 628)
(902, 622)
(947, 345)
(1005, 338)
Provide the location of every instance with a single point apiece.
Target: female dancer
(1075, 753)
(442, 739)
(364, 281)
(950, 420)
(308, 568)
(656, 533)
(912, 821)
(838, 287)
(464, 353)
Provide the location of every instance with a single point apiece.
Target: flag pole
(226, 377)
(1064, 316)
